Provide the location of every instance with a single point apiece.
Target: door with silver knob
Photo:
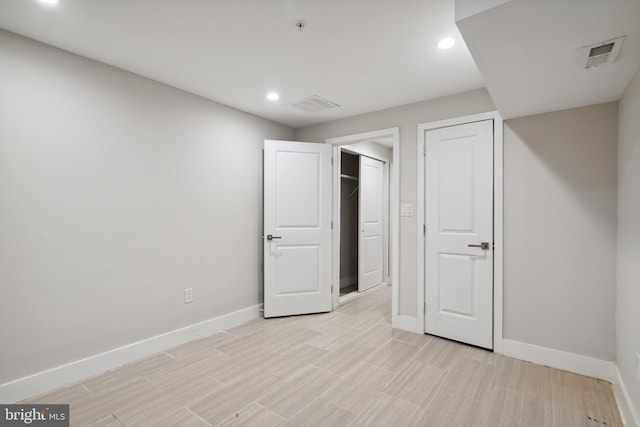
(459, 224)
(297, 227)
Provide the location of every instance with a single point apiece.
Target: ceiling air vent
(600, 53)
(314, 104)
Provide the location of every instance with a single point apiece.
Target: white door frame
(393, 135)
(497, 217)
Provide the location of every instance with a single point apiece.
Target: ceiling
(527, 51)
(364, 55)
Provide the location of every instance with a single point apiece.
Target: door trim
(393, 135)
(497, 218)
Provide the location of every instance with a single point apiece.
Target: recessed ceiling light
(273, 96)
(49, 1)
(446, 43)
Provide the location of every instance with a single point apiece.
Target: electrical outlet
(188, 295)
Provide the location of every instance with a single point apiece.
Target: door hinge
(424, 149)
(425, 308)
(332, 161)
(424, 229)
(332, 225)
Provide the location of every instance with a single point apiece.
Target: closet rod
(353, 178)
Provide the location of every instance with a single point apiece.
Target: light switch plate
(406, 209)
(188, 295)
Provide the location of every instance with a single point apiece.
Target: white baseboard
(408, 323)
(54, 378)
(576, 363)
(628, 411)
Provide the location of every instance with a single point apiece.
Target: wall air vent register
(314, 104)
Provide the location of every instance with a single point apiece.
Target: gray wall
(116, 193)
(628, 290)
(559, 230)
(407, 117)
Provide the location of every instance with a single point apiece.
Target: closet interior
(349, 211)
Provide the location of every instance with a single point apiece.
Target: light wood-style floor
(343, 368)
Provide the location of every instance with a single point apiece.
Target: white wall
(116, 193)
(628, 287)
(559, 230)
(407, 117)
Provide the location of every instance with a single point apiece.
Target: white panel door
(297, 228)
(371, 223)
(459, 227)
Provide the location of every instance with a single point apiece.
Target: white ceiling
(364, 55)
(527, 51)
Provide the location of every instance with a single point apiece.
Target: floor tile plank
(296, 392)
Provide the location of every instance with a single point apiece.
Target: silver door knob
(270, 237)
(483, 245)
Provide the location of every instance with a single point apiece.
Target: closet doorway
(363, 229)
(360, 144)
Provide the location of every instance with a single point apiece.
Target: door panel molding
(497, 221)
